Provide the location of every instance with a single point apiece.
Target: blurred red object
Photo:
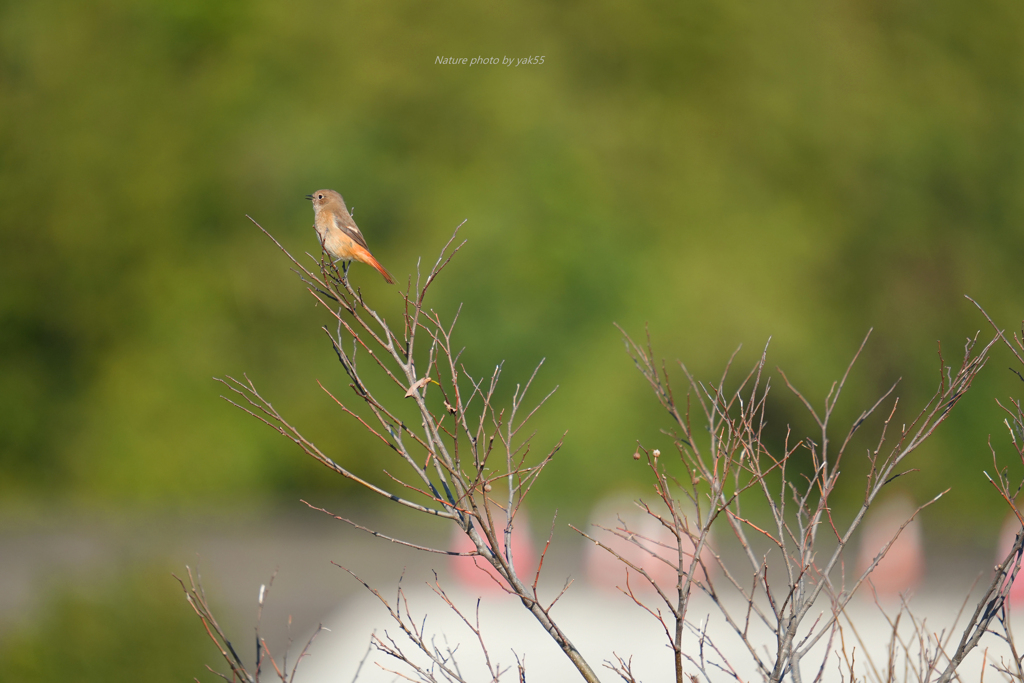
(476, 572)
(903, 566)
(1007, 536)
(653, 548)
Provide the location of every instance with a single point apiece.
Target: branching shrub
(467, 459)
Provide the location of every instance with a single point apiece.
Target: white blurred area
(603, 624)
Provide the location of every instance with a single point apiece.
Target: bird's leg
(345, 265)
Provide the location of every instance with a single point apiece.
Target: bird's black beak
(309, 197)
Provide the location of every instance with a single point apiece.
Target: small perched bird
(338, 233)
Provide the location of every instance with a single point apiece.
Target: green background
(725, 172)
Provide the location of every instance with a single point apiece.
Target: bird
(339, 236)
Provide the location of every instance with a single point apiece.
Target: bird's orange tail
(367, 258)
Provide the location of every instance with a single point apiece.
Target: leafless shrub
(196, 597)
(719, 437)
(468, 461)
(995, 605)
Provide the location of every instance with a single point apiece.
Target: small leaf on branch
(418, 384)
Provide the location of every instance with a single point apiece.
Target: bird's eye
(319, 196)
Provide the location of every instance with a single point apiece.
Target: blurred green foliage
(138, 626)
(726, 172)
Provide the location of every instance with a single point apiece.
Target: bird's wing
(348, 226)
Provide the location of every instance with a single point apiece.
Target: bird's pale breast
(338, 244)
